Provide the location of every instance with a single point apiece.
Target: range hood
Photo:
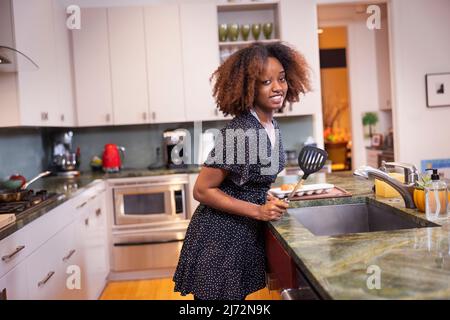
(12, 60)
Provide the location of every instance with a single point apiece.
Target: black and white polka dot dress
(223, 254)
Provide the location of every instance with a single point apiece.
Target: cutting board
(6, 219)
(336, 192)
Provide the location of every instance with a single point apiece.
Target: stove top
(33, 201)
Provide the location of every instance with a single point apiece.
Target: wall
(27, 150)
(420, 44)
(21, 151)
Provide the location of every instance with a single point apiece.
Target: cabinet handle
(93, 197)
(153, 115)
(44, 116)
(62, 117)
(82, 205)
(45, 280)
(86, 221)
(71, 252)
(144, 116)
(108, 117)
(98, 212)
(290, 106)
(10, 256)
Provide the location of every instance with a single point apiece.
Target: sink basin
(355, 218)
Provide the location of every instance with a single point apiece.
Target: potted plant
(419, 191)
(370, 119)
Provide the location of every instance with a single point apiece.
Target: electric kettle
(113, 156)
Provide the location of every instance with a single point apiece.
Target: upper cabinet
(200, 58)
(128, 59)
(92, 69)
(164, 63)
(41, 97)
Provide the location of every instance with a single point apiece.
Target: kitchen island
(413, 263)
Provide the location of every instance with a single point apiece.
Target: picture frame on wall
(438, 89)
(377, 140)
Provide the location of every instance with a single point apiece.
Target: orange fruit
(419, 199)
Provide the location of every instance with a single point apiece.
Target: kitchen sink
(355, 218)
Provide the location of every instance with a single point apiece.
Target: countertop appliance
(149, 224)
(65, 161)
(112, 157)
(173, 148)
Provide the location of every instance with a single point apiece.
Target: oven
(147, 201)
(149, 225)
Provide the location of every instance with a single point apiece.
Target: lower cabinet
(283, 275)
(71, 264)
(13, 285)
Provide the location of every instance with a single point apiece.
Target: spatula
(310, 160)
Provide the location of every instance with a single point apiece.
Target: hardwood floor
(162, 289)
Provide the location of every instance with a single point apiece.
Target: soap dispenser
(435, 196)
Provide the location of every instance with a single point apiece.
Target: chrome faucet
(411, 172)
(405, 190)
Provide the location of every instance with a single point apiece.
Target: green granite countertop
(413, 263)
(68, 188)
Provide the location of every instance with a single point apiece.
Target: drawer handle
(93, 197)
(69, 255)
(82, 205)
(9, 257)
(98, 212)
(86, 221)
(44, 281)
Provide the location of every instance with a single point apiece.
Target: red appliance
(112, 158)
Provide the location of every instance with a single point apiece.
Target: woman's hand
(273, 209)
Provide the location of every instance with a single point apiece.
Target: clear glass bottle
(436, 197)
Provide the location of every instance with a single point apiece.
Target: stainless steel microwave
(149, 201)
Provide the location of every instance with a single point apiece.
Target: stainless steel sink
(355, 218)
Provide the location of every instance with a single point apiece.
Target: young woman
(223, 252)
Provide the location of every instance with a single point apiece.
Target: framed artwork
(377, 140)
(438, 89)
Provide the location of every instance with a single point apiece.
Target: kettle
(112, 161)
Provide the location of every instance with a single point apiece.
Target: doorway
(356, 86)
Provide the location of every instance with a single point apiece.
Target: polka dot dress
(223, 254)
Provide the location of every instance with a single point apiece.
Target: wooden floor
(162, 289)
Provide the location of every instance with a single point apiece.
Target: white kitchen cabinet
(128, 60)
(91, 235)
(46, 278)
(92, 69)
(14, 285)
(65, 112)
(164, 63)
(200, 49)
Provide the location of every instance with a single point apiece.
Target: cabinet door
(128, 72)
(34, 34)
(13, 286)
(164, 63)
(99, 245)
(65, 112)
(200, 58)
(46, 278)
(92, 69)
(304, 39)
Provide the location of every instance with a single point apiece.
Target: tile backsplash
(27, 150)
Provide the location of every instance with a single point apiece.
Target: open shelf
(247, 5)
(245, 43)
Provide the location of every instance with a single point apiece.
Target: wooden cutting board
(6, 219)
(336, 192)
